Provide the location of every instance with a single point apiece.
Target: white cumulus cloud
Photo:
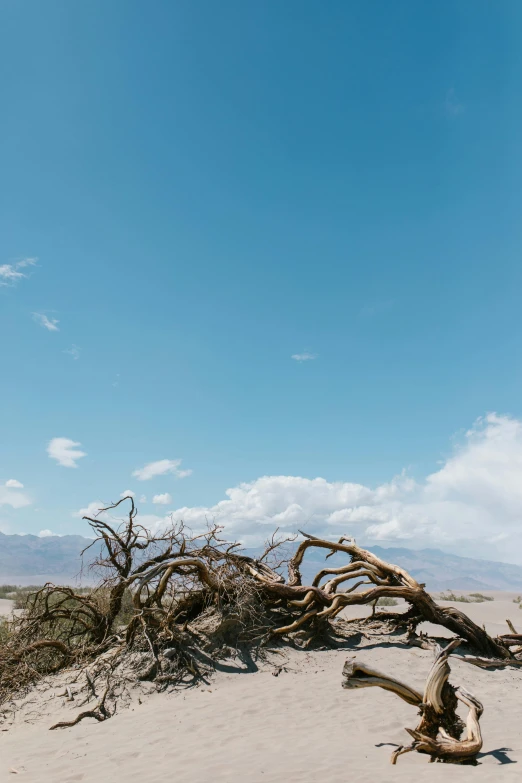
(161, 468)
(91, 510)
(50, 324)
(162, 500)
(65, 452)
(10, 495)
(472, 505)
(46, 533)
(94, 509)
(14, 484)
(128, 494)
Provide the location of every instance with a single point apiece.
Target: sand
(250, 725)
(6, 607)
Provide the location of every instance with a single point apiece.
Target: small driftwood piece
(99, 713)
(441, 734)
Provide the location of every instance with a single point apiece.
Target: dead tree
(384, 580)
(439, 732)
(174, 598)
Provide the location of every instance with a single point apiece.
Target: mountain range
(31, 559)
(34, 559)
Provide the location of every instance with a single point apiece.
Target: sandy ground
(299, 726)
(6, 607)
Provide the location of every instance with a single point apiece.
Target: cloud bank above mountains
(471, 505)
(475, 499)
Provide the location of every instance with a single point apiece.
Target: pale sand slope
(300, 726)
(6, 607)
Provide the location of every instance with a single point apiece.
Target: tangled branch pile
(170, 604)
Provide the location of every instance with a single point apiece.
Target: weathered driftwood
(385, 580)
(440, 730)
(428, 643)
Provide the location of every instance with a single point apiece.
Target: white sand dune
(299, 726)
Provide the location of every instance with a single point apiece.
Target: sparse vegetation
(471, 598)
(387, 602)
(449, 595)
(480, 597)
(8, 591)
(19, 594)
(4, 631)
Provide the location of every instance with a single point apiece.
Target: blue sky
(212, 188)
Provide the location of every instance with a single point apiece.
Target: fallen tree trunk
(439, 732)
(387, 581)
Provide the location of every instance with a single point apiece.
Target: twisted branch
(439, 731)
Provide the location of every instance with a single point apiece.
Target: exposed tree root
(439, 733)
(99, 713)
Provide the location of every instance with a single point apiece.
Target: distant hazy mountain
(32, 559)
(439, 570)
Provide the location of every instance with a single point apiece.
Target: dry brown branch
(358, 675)
(387, 581)
(99, 712)
(40, 645)
(439, 733)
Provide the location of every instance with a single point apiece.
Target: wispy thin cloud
(452, 104)
(73, 351)
(161, 468)
(304, 357)
(65, 452)
(376, 308)
(10, 274)
(51, 324)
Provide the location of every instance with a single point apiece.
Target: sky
(260, 263)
